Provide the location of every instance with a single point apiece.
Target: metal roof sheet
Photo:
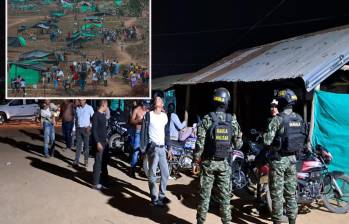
(313, 57)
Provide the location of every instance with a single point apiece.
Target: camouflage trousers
(214, 174)
(283, 184)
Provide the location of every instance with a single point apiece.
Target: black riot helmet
(221, 98)
(286, 97)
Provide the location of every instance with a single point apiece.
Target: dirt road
(38, 190)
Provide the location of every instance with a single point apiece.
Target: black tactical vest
(220, 136)
(293, 138)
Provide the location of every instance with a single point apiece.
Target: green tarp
(30, 76)
(22, 41)
(118, 3)
(331, 127)
(91, 25)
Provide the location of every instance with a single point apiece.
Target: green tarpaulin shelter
(91, 26)
(30, 75)
(118, 3)
(57, 13)
(16, 41)
(331, 127)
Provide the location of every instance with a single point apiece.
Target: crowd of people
(95, 72)
(155, 128)
(18, 85)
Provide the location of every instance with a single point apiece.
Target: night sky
(188, 35)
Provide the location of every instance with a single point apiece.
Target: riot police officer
(217, 134)
(285, 137)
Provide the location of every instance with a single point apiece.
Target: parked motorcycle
(119, 137)
(182, 155)
(315, 182)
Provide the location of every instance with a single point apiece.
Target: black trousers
(100, 167)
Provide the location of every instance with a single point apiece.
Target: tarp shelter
(57, 13)
(91, 26)
(118, 3)
(331, 127)
(36, 54)
(42, 56)
(94, 19)
(16, 41)
(30, 73)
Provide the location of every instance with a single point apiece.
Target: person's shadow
(242, 211)
(40, 137)
(33, 149)
(123, 194)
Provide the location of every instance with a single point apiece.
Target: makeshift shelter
(118, 3)
(42, 56)
(18, 41)
(252, 75)
(94, 19)
(29, 71)
(89, 26)
(58, 13)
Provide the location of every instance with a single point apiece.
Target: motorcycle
(119, 137)
(315, 182)
(182, 155)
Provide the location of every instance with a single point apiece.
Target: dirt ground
(38, 190)
(136, 52)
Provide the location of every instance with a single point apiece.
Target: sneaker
(86, 163)
(164, 200)
(47, 156)
(75, 165)
(157, 203)
(132, 173)
(97, 187)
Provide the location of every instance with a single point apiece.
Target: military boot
(292, 221)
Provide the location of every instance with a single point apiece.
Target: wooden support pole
(187, 101)
(235, 97)
(312, 118)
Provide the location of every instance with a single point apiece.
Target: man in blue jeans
(155, 139)
(48, 123)
(136, 120)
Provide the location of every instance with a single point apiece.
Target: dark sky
(188, 35)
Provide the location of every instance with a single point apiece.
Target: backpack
(220, 136)
(294, 136)
(84, 67)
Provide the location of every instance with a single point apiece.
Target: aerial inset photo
(72, 48)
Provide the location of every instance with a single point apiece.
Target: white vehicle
(19, 110)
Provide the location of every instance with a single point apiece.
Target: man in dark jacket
(155, 143)
(99, 130)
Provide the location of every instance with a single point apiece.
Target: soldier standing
(217, 134)
(285, 136)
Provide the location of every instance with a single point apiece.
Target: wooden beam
(187, 101)
(312, 118)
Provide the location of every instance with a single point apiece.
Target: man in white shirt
(48, 124)
(155, 143)
(84, 114)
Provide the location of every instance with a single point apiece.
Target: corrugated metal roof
(167, 82)
(313, 57)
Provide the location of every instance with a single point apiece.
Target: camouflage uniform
(282, 175)
(217, 172)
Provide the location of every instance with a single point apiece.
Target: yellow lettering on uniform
(295, 124)
(222, 137)
(222, 131)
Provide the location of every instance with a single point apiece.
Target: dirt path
(16, 21)
(38, 190)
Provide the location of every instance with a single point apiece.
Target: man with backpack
(217, 134)
(285, 137)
